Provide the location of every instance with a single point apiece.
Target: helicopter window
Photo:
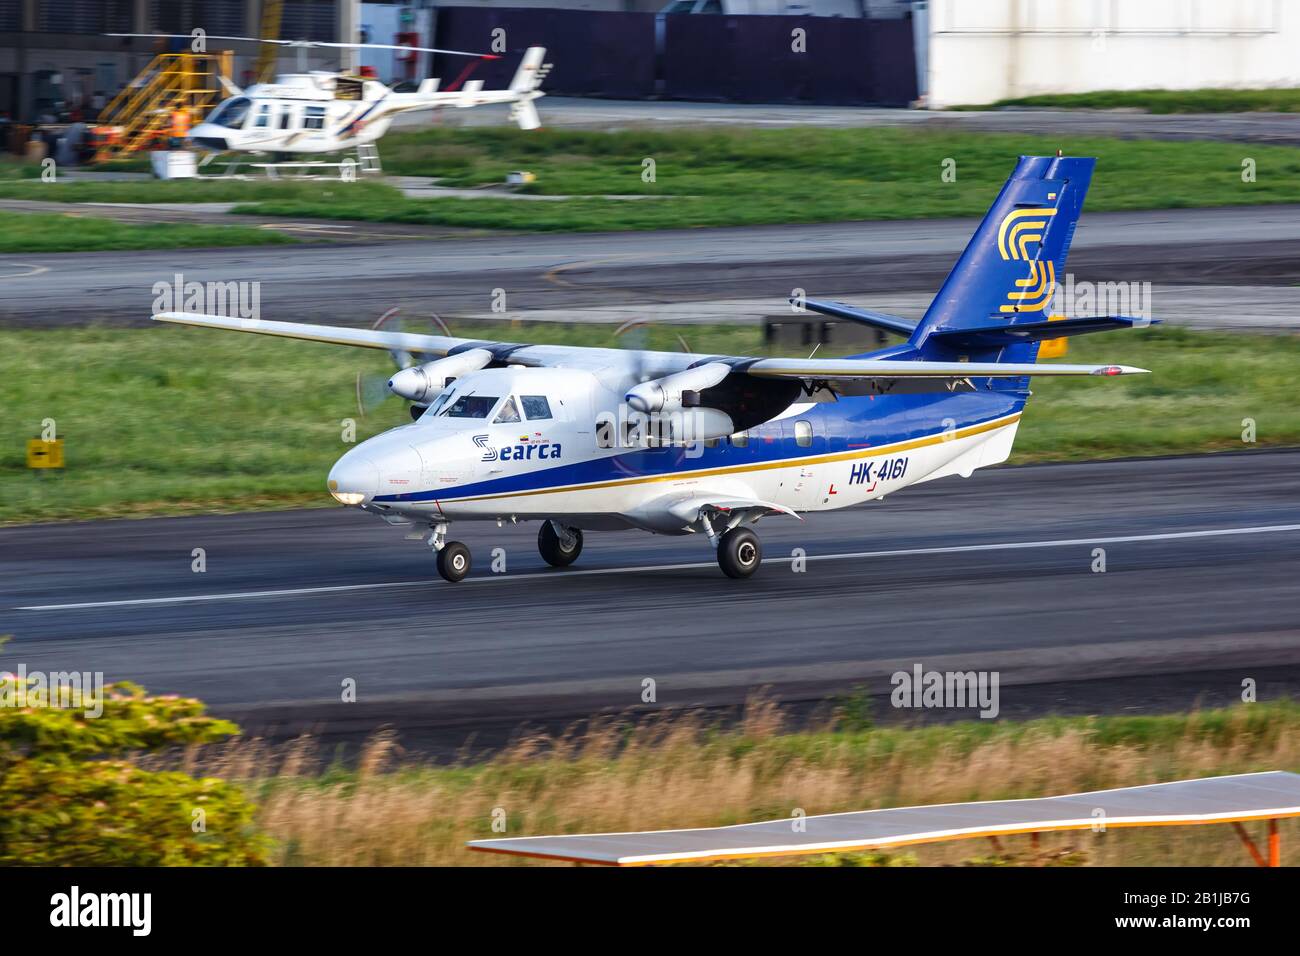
(471, 406)
(314, 118)
(232, 114)
(286, 114)
(802, 434)
(509, 413)
(263, 118)
(535, 407)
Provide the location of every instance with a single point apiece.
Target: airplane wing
(644, 364)
(436, 345)
(833, 369)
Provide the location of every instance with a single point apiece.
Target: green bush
(69, 795)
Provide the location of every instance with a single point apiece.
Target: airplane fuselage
(810, 457)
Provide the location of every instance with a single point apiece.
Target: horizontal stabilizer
(879, 320)
(999, 331)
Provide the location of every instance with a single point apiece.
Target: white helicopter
(320, 112)
(587, 439)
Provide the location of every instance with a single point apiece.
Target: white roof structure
(1229, 799)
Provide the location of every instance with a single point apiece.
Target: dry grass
(688, 771)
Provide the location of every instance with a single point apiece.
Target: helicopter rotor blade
(307, 43)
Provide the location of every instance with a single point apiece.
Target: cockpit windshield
(232, 113)
(471, 406)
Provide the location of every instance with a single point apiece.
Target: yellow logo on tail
(1020, 229)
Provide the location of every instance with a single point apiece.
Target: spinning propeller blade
(372, 387)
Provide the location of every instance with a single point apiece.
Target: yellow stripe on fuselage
(893, 448)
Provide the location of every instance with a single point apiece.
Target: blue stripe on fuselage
(837, 427)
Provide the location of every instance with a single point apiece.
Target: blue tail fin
(1010, 268)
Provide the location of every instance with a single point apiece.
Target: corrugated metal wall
(694, 57)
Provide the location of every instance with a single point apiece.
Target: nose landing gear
(453, 557)
(558, 545)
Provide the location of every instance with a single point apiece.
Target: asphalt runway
(1200, 591)
(350, 283)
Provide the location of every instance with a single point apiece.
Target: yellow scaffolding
(141, 115)
(272, 12)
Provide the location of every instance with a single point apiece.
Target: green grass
(1165, 101)
(166, 420)
(76, 232)
(1203, 385)
(725, 177)
(747, 177)
(193, 191)
(691, 771)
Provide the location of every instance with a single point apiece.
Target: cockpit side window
(536, 407)
(232, 114)
(472, 406)
(509, 412)
(439, 400)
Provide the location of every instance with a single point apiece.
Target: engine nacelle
(420, 383)
(665, 394)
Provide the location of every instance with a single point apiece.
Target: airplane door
(808, 437)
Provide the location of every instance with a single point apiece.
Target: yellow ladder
(141, 114)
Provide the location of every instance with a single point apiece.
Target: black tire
(739, 553)
(453, 561)
(552, 548)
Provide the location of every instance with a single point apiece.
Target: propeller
(635, 334)
(372, 387)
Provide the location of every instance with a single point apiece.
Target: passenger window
(712, 442)
(263, 116)
(740, 439)
(314, 118)
(509, 413)
(535, 407)
(802, 434)
(286, 113)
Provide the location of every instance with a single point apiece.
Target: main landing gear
(559, 546)
(739, 553)
(453, 556)
(739, 550)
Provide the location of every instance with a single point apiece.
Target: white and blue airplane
(596, 439)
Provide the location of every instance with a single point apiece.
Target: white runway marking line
(952, 549)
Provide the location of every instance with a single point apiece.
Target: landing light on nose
(353, 479)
